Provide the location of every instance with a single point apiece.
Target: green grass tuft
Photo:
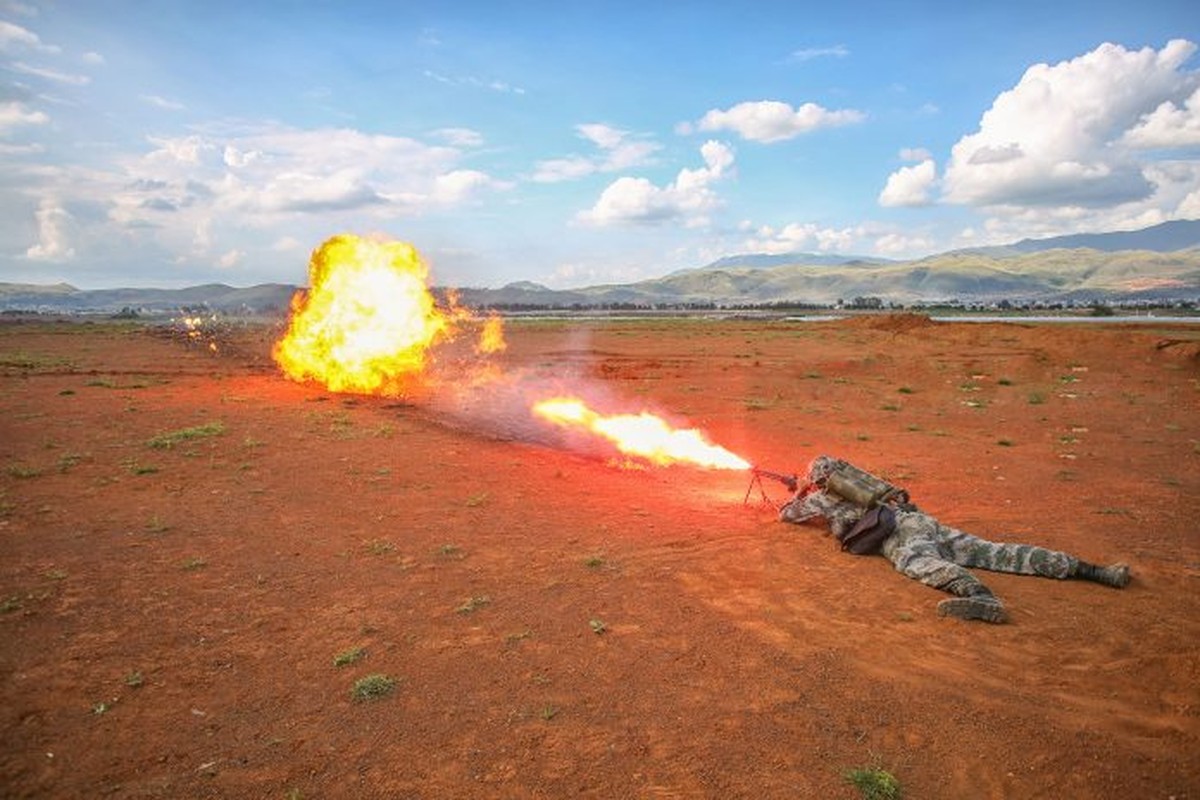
(165, 441)
(347, 657)
(372, 687)
(874, 783)
(473, 604)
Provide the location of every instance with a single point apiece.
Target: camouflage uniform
(938, 555)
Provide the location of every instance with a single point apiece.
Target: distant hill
(1164, 266)
(1168, 237)
(62, 297)
(769, 260)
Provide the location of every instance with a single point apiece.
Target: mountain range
(1160, 263)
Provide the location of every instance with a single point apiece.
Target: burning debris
(369, 324)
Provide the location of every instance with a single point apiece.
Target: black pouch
(869, 533)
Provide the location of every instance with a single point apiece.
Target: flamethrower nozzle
(792, 482)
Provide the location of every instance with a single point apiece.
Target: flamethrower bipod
(792, 482)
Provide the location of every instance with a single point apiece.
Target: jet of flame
(641, 435)
(366, 321)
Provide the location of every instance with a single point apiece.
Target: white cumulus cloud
(13, 115)
(809, 53)
(13, 37)
(1169, 125)
(773, 121)
(54, 224)
(460, 137)
(689, 197)
(1067, 134)
(910, 186)
(50, 74)
(619, 150)
(796, 237)
(162, 102)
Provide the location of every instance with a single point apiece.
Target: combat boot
(978, 602)
(1114, 575)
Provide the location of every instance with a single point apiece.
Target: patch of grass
(598, 627)
(549, 712)
(476, 500)
(372, 687)
(1122, 512)
(341, 425)
(193, 563)
(136, 468)
(756, 404)
(166, 441)
(134, 679)
(156, 525)
(380, 547)
(66, 393)
(889, 407)
(10, 604)
(22, 471)
(68, 460)
(1004, 381)
(874, 783)
(593, 562)
(1004, 442)
(473, 604)
(103, 383)
(906, 390)
(23, 360)
(450, 551)
(347, 657)
(513, 638)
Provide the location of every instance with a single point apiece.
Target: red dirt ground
(739, 656)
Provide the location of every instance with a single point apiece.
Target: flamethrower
(792, 482)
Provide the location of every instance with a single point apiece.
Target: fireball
(366, 321)
(643, 435)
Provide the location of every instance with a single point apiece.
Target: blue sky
(171, 143)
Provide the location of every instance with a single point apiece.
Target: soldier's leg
(1026, 559)
(917, 555)
(1022, 559)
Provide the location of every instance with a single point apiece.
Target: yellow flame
(366, 320)
(491, 338)
(642, 435)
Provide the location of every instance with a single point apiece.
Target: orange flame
(366, 321)
(642, 435)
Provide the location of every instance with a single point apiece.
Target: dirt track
(557, 627)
